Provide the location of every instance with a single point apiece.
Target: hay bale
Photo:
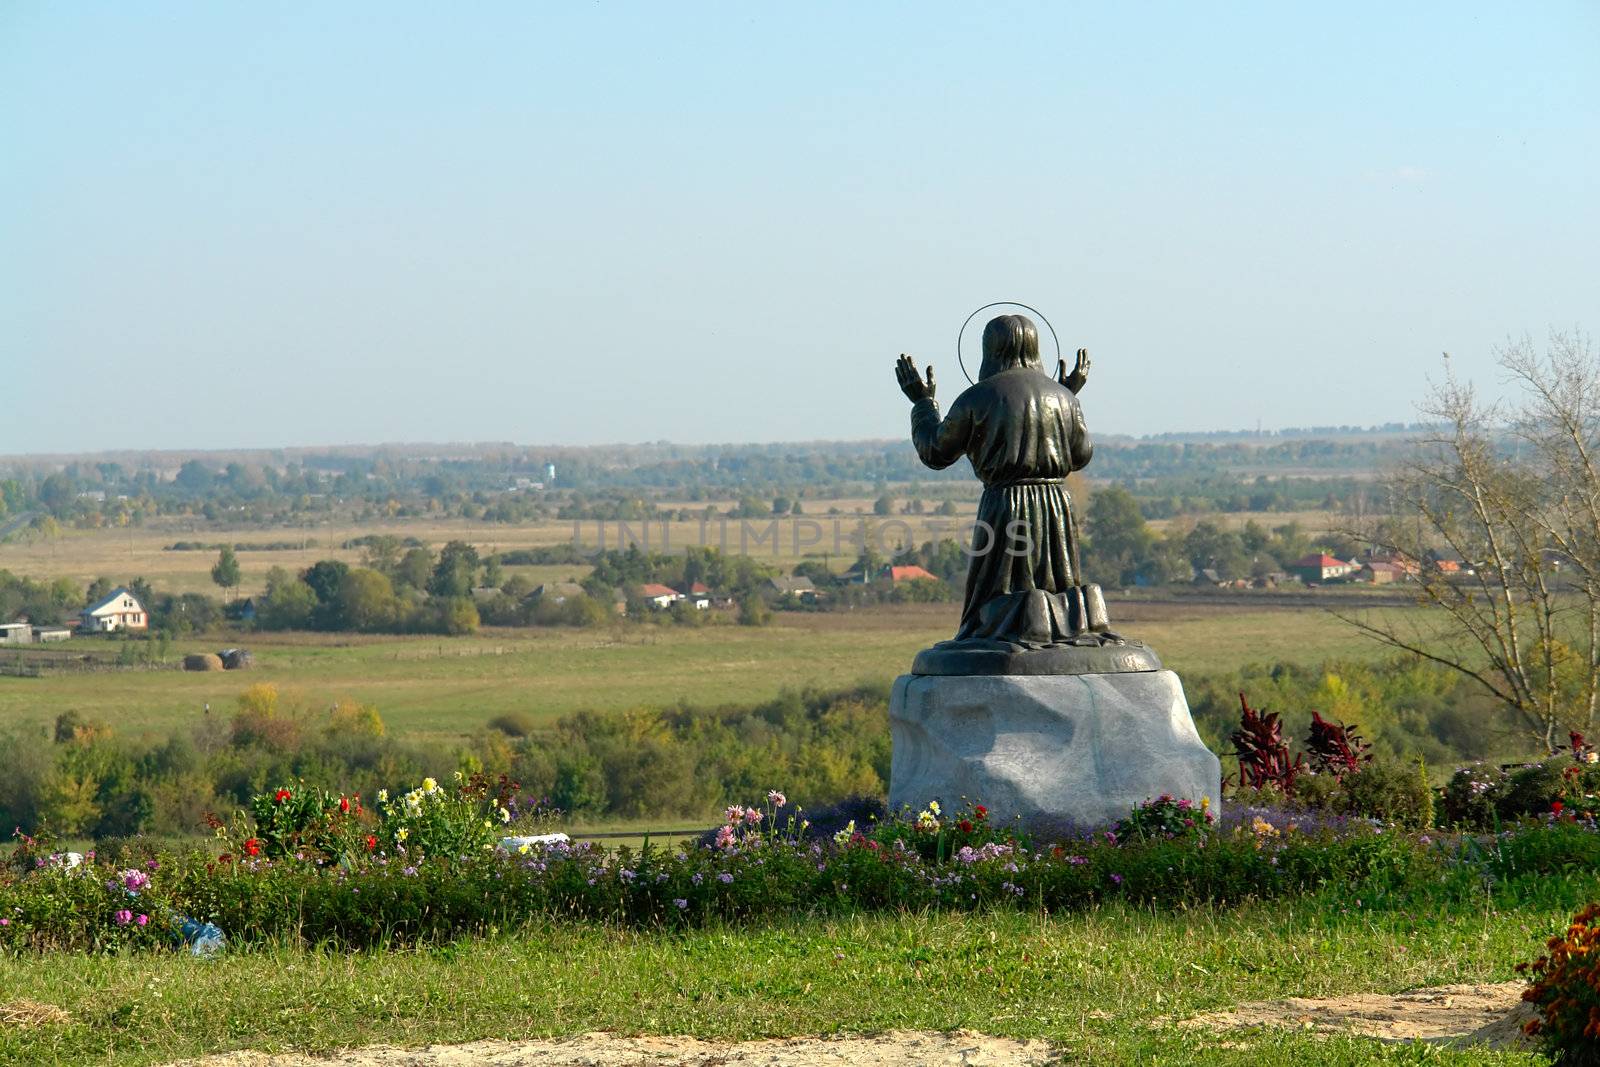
(202, 661)
(237, 659)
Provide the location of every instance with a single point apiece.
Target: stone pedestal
(1063, 752)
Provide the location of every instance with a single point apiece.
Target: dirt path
(1484, 1015)
(894, 1049)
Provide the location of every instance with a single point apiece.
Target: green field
(444, 688)
(1104, 985)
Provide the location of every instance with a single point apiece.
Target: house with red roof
(659, 596)
(909, 573)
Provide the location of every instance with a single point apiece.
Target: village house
(119, 610)
(1320, 567)
(16, 633)
(659, 596)
(908, 573)
(1382, 572)
(556, 592)
(791, 585)
(699, 595)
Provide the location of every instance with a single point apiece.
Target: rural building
(909, 573)
(16, 633)
(556, 592)
(120, 610)
(659, 596)
(1381, 572)
(791, 585)
(1448, 563)
(45, 635)
(1320, 567)
(699, 595)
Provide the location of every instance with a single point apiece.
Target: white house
(660, 596)
(120, 610)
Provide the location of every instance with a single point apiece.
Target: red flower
(280, 796)
(966, 826)
(1556, 807)
(372, 842)
(252, 847)
(344, 805)
(981, 812)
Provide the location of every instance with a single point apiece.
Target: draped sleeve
(940, 442)
(1081, 448)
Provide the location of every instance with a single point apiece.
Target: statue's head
(1009, 341)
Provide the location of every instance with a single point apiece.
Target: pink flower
(735, 813)
(725, 837)
(776, 798)
(123, 917)
(752, 816)
(142, 920)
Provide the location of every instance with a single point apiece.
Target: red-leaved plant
(1336, 748)
(1263, 750)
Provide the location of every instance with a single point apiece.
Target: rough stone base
(1063, 752)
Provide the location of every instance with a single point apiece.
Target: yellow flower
(933, 806)
(401, 834)
(429, 785)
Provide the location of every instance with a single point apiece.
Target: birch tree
(1497, 514)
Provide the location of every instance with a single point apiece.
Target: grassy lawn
(444, 688)
(1098, 982)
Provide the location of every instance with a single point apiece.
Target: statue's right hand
(912, 383)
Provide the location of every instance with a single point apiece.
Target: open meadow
(444, 688)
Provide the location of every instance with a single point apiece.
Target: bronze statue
(1023, 431)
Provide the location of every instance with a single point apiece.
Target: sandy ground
(893, 1049)
(1485, 1015)
(1489, 1016)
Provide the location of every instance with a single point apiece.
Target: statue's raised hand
(911, 383)
(1080, 371)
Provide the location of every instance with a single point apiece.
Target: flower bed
(353, 894)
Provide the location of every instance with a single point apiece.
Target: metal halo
(1001, 303)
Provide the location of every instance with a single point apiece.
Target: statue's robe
(1024, 433)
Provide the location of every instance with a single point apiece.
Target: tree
(1498, 512)
(884, 505)
(226, 571)
(366, 601)
(414, 568)
(1119, 541)
(493, 572)
(456, 572)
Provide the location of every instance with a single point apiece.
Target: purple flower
(725, 877)
(1116, 879)
(123, 917)
(133, 880)
(142, 920)
(680, 903)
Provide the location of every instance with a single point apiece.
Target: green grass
(434, 688)
(1099, 983)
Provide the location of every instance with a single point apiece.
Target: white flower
(383, 796)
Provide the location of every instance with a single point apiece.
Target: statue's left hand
(911, 383)
(1080, 371)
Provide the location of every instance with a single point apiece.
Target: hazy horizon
(234, 229)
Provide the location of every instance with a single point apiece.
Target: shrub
(1262, 750)
(1166, 819)
(513, 723)
(1566, 988)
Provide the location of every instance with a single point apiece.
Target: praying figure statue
(1023, 431)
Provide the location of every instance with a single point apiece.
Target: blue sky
(234, 226)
